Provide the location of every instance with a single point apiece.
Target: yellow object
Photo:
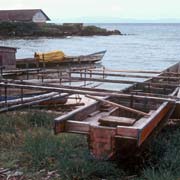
(49, 56)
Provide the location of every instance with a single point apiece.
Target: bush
(93, 30)
(17, 28)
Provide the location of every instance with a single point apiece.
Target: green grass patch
(68, 154)
(40, 149)
(27, 142)
(164, 161)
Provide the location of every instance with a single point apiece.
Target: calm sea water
(146, 47)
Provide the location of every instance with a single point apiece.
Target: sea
(141, 47)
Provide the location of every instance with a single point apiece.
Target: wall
(39, 18)
(8, 58)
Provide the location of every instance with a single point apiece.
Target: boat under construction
(117, 123)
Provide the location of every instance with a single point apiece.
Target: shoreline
(10, 30)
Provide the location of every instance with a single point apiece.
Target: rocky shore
(19, 29)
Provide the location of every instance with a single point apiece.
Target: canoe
(68, 60)
(116, 132)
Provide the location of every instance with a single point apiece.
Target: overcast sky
(100, 9)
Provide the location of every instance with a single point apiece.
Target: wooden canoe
(113, 131)
(72, 60)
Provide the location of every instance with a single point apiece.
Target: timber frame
(107, 140)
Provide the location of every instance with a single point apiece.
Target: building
(8, 57)
(25, 15)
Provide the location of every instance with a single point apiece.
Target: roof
(19, 15)
(8, 47)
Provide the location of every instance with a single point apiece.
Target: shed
(24, 15)
(8, 57)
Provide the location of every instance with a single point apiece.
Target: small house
(8, 57)
(24, 15)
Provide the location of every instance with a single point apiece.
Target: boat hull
(67, 61)
(107, 141)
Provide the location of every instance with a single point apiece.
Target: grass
(27, 143)
(164, 162)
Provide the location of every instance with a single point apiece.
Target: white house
(24, 15)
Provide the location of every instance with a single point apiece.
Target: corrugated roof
(19, 15)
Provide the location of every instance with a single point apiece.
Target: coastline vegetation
(28, 145)
(30, 29)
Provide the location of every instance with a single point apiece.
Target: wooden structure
(117, 124)
(24, 15)
(7, 57)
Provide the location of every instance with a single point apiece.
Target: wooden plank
(114, 121)
(29, 99)
(77, 127)
(127, 131)
(118, 105)
(27, 104)
(126, 75)
(152, 122)
(89, 91)
(93, 113)
(130, 71)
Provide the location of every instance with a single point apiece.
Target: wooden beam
(114, 121)
(80, 91)
(118, 105)
(126, 75)
(27, 99)
(129, 71)
(26, 104)
(124, 81)
(106, 90)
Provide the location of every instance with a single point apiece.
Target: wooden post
(103, 72)
(131, 101)
(38, 74)
(70, 76)
(85, 78)
(90, 73)
(5, 93)
(22, 93)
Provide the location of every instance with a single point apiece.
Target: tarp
(49, 56)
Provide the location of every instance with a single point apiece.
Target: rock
(93, 30)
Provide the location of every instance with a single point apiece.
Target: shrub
(17, 28)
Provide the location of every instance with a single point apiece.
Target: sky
(101, 10)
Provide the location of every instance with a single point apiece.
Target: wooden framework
(100, 120)
(117, 121)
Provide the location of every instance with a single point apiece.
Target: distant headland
(32, 23)
(31, 29)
